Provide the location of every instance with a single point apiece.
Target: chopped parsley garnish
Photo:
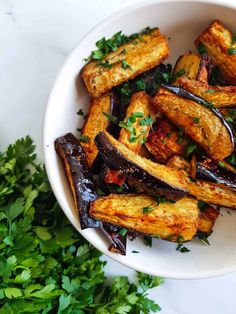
(184, 249)
(196, 120)
(210, 91)
(80, 112)
(169, 135)
(112, 44)
(180, 135)
(84, 139)
(157, 236)
(127, 125)
(146, 121)
(190, 148)
(166, 77)
(115, 188)
(135, 251)
(202, 205)
(221, 164)
(207, 104)
(140, 85)
(104, 64)
(229, 119)
(100, 192)
(147, 209)
(233, 41)
(179, 73)
(231, 51)
(147, 240)
(138, 114)
(161, 199)
(111, 118)
(124, 64)
(232, 159)
(203, 238)
(123, 231)
(202, 48)
(97, 55)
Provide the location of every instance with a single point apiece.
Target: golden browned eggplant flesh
(218, 42)
(156, 155)
(95, 122)
(128, 61)
(204, 125)
(186, 66)
(144, 214)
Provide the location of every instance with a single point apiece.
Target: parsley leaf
(231, 51)
(147, 209)
(146, 121)
(202, 48)
(190, 148)
(84, 139)
(111, 118)
(46, 266)
(124, 64)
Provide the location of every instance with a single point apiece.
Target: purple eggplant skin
(206, 62)
(186, 94)
(115, 110)
(211, 171)
(78, 175)
(116, 161)
(118, 241)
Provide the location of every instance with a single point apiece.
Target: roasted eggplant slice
(142, 213)
(209, 170)
(213, 94)
(164, 142)
(138, 110)
(179, 163)
(187, 66)
(158, 178)
(206, 126)
(216, 41)
(118, 240)
(79, 177)
(207, 219)
(96, 121)
(129, 60)
(208, 192)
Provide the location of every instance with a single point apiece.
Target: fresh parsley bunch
(45, 266)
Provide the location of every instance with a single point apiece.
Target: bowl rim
(116, 257)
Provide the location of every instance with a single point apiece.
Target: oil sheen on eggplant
(79, 177)
(117, 160)
(209, 170)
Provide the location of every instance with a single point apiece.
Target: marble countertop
(35, 38)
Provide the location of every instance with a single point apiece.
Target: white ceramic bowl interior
(182, 22)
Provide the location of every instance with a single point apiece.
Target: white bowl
(182, 22)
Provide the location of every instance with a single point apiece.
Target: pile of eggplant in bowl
(144, 161)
